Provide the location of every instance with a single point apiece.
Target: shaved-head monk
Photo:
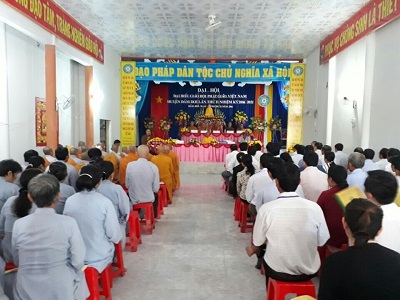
(165, 168)
(132, 156)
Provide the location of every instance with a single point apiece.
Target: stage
(201, 168)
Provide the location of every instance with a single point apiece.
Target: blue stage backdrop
(193, 98)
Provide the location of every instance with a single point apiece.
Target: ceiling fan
(212, 23)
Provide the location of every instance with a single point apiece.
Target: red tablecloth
(217, 136)
(202, 153)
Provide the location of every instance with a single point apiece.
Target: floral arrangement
(150, 123)
(275, 123)
(214, 143)
(182, 118)
(155, 140)
(240, 117)
(255, 141)
(165, 124)
(194, 141)
(247, 131)
(216, 120)
(258, 124)
(184, 130)
(170, 141)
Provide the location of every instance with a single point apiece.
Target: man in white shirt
(383, 162)
(259, 180)
(369, 164)
(357, 176)
(270, 192)
(226, 175)
(341, 158)
(318, 149)
(233, 163)
(313, 181)
(273, 148)
(292, 228)
(298, 153)
(256, 164)
(381, 187)
(258, 154)
(391, 152)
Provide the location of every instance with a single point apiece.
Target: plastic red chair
(118, 267)
(244, 208)
(94, 280)
(277, 290)
(149, 222)
(164, 191)
(160, 206)
(236, 210)
(134, 237)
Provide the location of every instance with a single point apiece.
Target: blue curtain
(279, 108)
(282, 92)
(144, 85)
(144, 112)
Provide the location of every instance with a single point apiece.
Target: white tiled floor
(195, 252)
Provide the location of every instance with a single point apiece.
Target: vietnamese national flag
(159, 105)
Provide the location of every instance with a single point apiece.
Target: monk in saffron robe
(113, 157)
(165, 168)
(175, 162)
(132, 156)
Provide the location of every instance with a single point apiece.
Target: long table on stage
(202, 153)
(217, 136)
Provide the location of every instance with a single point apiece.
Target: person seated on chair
(116, 194)
(59, 170)
(143, 179)
(244, 176)
(165, 168)
(96, 218)
(366, 270)
(240, 127)
(48, 248)
(192, 127)
(208, 138)
(235, 170)
(146, 137)
(229, 128)
(244, 138)
(292, 228)
(9, 173)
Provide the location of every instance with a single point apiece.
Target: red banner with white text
(373, 15)
(53, 18)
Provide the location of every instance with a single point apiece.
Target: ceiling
(176, 28)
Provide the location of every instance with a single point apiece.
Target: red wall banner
(53, 18)
(373, 15)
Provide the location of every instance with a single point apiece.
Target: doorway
(105, 133)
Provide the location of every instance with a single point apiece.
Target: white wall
(22, 77)
(368, 73)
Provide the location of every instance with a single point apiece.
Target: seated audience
(234, 162)
(286, 157)
(395, 165)
(244, 138)
(333, 212)
(359, 150)
(73, 154)
(381, 187)
(383, 162)
(391, 153)
(192, 127)
(292, 228)
(252, 150)
(236, 170)
(227, 174)
(59, 170)
(116, 194)
(9, 172)
(270, 191)
(273, 148)
(366, 270)
(175, 163)
(258, 181)
(132, 156)
(63, 156)
(48, 156)
(229, 128)
(143, 179)
(146, 137)
(48, 248)
(341, 158)
(297, 154)
(329, 161)
(96, 218)
(318, 150)
(313, 181)
(36, 162)
(369, 164)
(114, 158)
(27, 155)
(258, 151)
(16, 207)
(244, 176)
(357, 176)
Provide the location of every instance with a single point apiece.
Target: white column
(4, 125)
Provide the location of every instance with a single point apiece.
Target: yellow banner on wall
(295, 107)
(128, 103)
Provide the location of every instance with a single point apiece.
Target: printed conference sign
(295, 119)
(219, 72)
(54, 19)
(373, 15)
(128, 104)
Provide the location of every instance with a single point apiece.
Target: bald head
(143, 151)
(132, 149)
(47, 151)
(124, 149)
(73, 151)
(161, 149)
